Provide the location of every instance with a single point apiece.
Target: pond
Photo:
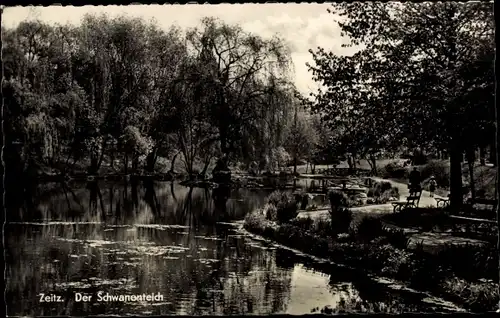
(183, 245)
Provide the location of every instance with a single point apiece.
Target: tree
(414, 59)
(301, 138)
(234, 64)
(122, 87)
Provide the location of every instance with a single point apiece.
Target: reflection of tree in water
(231, 281)
(364, 295)
(220, 195)
(358, 305)
(263, 290)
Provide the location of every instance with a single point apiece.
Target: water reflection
(146, 237)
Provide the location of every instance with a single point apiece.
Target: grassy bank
(466, 275)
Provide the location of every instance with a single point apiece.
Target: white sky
(304, 26)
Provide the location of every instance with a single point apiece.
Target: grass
(374, 248)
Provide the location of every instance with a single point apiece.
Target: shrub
(382, 186)
(369, 228)
(394, 170)
(303, 223)
(271, 212)
(340, 220)
(340, 216)
(419, 157)
(394, 192)
(338, 199)
(286, 206)
(425, 273)
(439, 170)
(396, 237)
(383, 191)
(477, 297)
(255, 221)
(470, 261)
(303, 199)
(353, 202)
(323, 228)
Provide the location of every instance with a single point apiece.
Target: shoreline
(376, 259)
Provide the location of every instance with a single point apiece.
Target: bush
(303, 223)
(323, 228)
(394, 170)
(477, 296)
(271, 212)
(439, 170)
(340, 216)
(369, 228)
(303, 199)
(382, 192)
(396, 237)
(382, 186)
(338, 199)
(255, 221)
(340, 220)
(419, 157)
(470, 261)
(286, 206)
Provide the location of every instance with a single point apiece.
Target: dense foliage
(118, 93)
(422, 77)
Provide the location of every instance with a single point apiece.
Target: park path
(432, 242)
(425, 201)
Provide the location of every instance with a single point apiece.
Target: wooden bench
(468, 221)
(411, 201)
(482, 201)
(444, 203)
(473, 220)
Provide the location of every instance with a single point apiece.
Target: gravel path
(431, 241)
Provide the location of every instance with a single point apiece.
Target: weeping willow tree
(240, 65)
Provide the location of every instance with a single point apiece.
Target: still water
(184, 244)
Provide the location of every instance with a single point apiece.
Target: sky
(303, 26)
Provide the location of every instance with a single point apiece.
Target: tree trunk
(456, 197)
(125, 162)
(295, 144)
(151, 161)
(135, 162)
(482, 156)
(350, 162)
(205, 167)
(295, 165)
(93, 165)
(373, 163)
(172, 164)
(497, 161)
(470, 164)
(493, 151)
(112, 159)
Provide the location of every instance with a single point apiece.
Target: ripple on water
(207, 260)
(208, 238)
(162, 226)
(158, 250)
(78, 256)
(54, 223)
